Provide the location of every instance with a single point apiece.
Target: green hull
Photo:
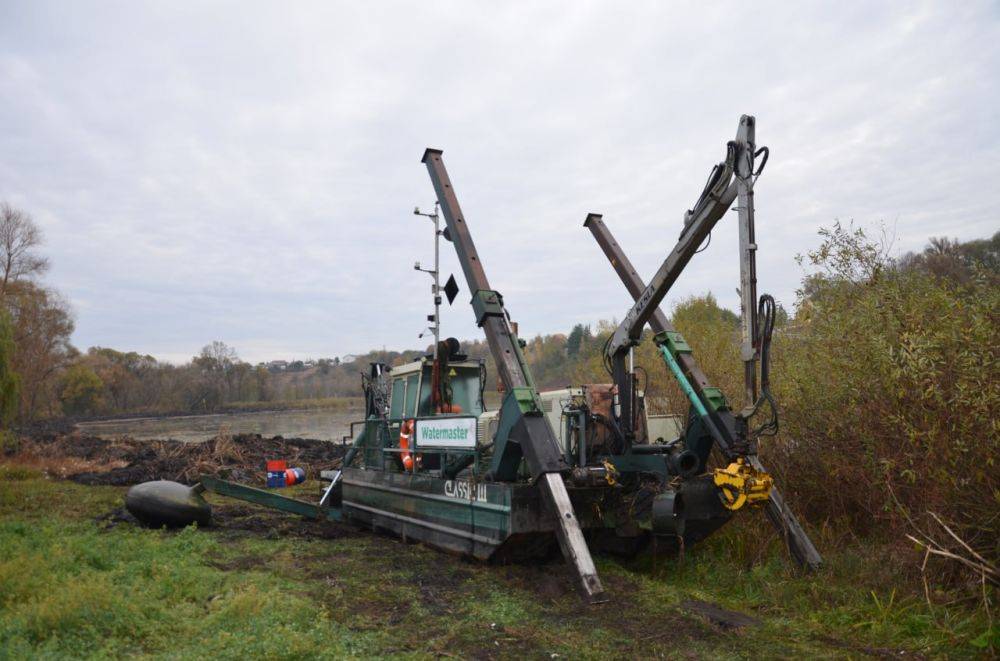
(488, 520)
(475, 519)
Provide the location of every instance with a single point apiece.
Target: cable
(482, 384)
(604, 355)
(753, 175)
(760, 168)
(707, 244)
(765, 315)
(616, 432)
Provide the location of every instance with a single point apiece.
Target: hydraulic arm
(715, 200)
(728, 180)
(523, 431)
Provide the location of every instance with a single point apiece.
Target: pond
(327, 425)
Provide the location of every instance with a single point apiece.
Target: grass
(73, 584)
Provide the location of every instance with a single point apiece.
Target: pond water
(326, 425)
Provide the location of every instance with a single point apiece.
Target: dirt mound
(125, 461)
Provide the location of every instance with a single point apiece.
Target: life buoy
(405, 430)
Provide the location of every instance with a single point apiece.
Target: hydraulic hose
(765, 314)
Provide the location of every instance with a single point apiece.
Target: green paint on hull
(457, 515)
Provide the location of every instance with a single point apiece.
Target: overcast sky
(247, 171)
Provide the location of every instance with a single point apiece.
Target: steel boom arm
(715, 200)
(721, 424)
(531, 434)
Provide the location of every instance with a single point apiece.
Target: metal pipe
(748, 269)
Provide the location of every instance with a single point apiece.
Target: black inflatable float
(165, 503)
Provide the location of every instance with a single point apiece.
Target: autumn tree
(10, 382)
(217, 363)
(80, 390)
(42, 328)
(19, 238)
(263, 384)
(577, 338)
(949, 258)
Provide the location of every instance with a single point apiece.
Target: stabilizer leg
(574, 546)
(786, 523)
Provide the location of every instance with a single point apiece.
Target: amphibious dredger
(581, 468)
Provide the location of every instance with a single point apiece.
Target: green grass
(72, 584)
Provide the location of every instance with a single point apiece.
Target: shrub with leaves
(889, 387)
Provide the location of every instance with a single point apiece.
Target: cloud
(246, 172)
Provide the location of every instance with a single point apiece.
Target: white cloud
(246, 171)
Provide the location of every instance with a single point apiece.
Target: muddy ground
(93, 460)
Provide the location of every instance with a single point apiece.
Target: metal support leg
(574, 546)
(533, 433)
(748, 274)
(784, 520)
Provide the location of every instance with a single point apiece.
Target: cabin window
(411, 395)
(465, 391)
(424, 405)
(396, 400)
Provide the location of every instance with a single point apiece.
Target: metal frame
(719, 421)
(715, 200)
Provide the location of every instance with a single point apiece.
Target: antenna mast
(435, 274)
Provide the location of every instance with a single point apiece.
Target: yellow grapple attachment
(741, 484)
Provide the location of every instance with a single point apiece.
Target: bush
(888, 387)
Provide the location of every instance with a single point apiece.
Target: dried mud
(125, 461)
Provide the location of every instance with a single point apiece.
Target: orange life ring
(405, 430)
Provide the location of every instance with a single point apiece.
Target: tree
(129, 378)
(949, 258)
(10, 382)
(19, 236)
(576, 339)
(217, 357)
(263, 383)
(42, 328)
(81, 390)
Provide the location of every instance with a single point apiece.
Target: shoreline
(68, 422)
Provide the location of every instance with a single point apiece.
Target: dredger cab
(411, 387)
